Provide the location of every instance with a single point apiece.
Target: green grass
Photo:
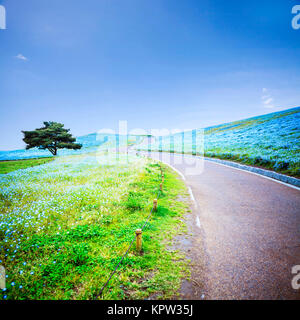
(90, 214)
(9, 166)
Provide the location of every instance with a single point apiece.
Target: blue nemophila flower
(54, 261)
(24, 263)
(4, 289)
(20, 287)
(21, 272)
(31, 272)
(12, 284)
(4, 297)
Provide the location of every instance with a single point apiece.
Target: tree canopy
(52, 136)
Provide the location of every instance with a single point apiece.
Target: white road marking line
(198, 222)
(192, 197)
(180, 173)
(191, 194)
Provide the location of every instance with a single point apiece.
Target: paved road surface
(250, 232)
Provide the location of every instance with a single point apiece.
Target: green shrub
(134, 201)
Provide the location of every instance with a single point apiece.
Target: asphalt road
(249, 231)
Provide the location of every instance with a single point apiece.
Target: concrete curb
(267, 173)
(270, 174)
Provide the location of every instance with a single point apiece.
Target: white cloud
(21, 57)
(267, 99)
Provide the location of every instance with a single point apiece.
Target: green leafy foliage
(52, 136)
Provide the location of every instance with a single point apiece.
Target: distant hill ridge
(271, 141)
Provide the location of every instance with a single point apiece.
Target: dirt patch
(191, 245)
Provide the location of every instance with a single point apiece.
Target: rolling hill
(271, 141)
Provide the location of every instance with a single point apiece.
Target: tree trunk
(53, 150)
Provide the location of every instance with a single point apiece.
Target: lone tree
(52, 136)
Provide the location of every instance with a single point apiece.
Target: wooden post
(163, 178)
(161, 187)
(138, 233)
(155, 204)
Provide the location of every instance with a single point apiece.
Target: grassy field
(9, 166)
(270, 141)
(65, 225)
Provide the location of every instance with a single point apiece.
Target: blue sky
(157, 64)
